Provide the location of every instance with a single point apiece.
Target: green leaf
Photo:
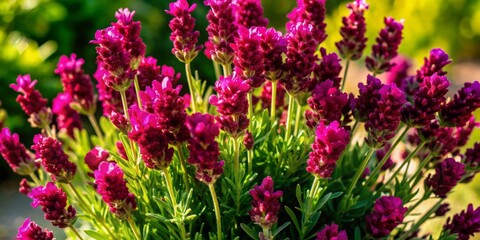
(249, 231)
(94, 234)
(279, 229)
(293, 217)
(299, 195)
(357, 235)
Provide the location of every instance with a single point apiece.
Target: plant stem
(266, 233)
(217, 210)
(250, 127)
(236, 171)
(425, 196)
(216, 68)
(357, 176)
(297, 118)
(184, 167)
(133, 226)
(345, 75)
(124, 104)
(137, 91)
(421, 220)
(76, 232)
(35, 179)
(168, 181)
(420, 167)
(95, 126)
(193, 94)
(289, 116)
(273, 104)
(310, 204)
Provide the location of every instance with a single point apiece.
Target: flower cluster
(272, 46)
(310, 12)
(14, 152)
(330, 232)
(387, 213)
(447, 174)
(249, 13)
(94, 157)
(248, 63)
(328, 69)
(326, 103)
(31, 231)
(265, 203)
(67, 119)
(465, 224)
(434, 64)
(54, 159)
(459, 110)
(353, 31)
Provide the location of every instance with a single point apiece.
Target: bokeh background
(35, 33)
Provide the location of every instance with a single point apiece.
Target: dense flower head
(381, 154)
(231, 98)
(457, 111)
(234, 126)
(353, 31)
(330, 232)
(248, 63)
(272, 46)
(330, 141)
(31, 231)
(386, 46)
(130, 31)
(120, 122)
(30, 99)
(328, 69)
(113, 189)
(248, 140)
(463, 133)
(14, 152)
(266, 96)
(442, 210)
(221, 30)
(76, 83)
(110, 98)
(96, 156)
(440, 140)
(311, 12)
(265, 203)
(398, 73)
(387, 213)
(203, 148)
(301, 58)
(427, 100)
(183, 36)
(447, 174)
(472, 156)
(54, 159)
(67, 118)
(465, 224)
(249, 13)
(433, 64)
(326, 103)
(151, 138)
(367, 99)
(148, 71)
(54, 204)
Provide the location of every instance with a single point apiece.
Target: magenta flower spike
(113, 189)
(367, 99)
(326, 103)
(447, 174)
(204, 152)
(310, 12)
(249, 13)
(386, 46)
(272, 46)
(248, 141)
(31, 231)
(222, 30)
(67, 119)
(96, 156)
(76, 83)
(433, 64)
(331, 232)
(54, 159)
(472, 156)
(328, 69)
(457, 111)
(248, 63)
(387, 213)
(265, 203)
(465, 224)
(330, 142)
(14, 152)
(353, 31)
(183, 36)
(398, 73)
(54, 204)
(148, 71)
(131, 35)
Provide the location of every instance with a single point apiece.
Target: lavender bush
(166, 164)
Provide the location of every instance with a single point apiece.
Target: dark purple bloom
(266, 96)
(330, 142)
(265, 203)
(434, 64)
(221, 30)
(183, 36)
(387, 213)
(328, 69)
(398, 73)
(463, 133)
(330, 232)
(14, 152)
(76, 83)
(54, 204)
(113, 189)
(447, 174)
(311, 12)
(381, 154)
(472, 156)
(326, 102)
(465, 224)
(249, 13)
(67, 119)
(248, 140)
(272, 46)
(367, 99)
(95, 156)
(148, 71)
(25, 187)
(54, 159)
(248, 63)
(442, 210)
(30, 99)
(441, 140)
(120, 121)
(353, 31)
(31, 231)
(130, 30)
(386, 46)
(203, 148)
(457, 111)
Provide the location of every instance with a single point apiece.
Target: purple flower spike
(67, 119)
(248, 63)
(353, 31)
(442, 210)
(311, 12)
(387, 213)
(465, 224)
(203, 148)
(14, 152)
(265, 203)
(96, 156)
(367, 99)
(330, 141)
(113, 189)
(131, 35)
(76, 83)
(248, 140)
(447, 174)
(327, 103)
(328, 69)
(330, 232)
(472, 156)
(249, 13)
(457, 111)
(110, 98)
(183, 36)
(398, 73)
(221, 30)
(54, 159)
(272, 46)
(386, 48)
(434, 64)
(54, 204)
(31, 231)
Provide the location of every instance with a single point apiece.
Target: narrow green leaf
(249, 231)
(293, 217)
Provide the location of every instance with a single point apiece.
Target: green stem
(236, 171)
(273, 104)
(217, 210)
(168, 181)
(137, 91)
(298, 117)
(308, 209)
(133, 226)
(193, 94)
(124, 104)
(345, 74)
(420, 167)
(289, 116)
(49, 131)
(35, 179)
(95, 126)
(354, 127)
(267, 233)
(425, 196)
(76, 232)
(250, 127)
(183, 165)
(216, 68)
(357, 177)
(421, 220)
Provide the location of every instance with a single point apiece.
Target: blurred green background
(35, 33)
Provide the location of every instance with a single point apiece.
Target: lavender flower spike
(265, 203)
(31, 231)
(248, 63)
(353, 31)
(434, 64)
(457, 111)
(272, 46)
(311, 12)
(447, 174)
(249, 13)
(387, 213)
(465, 223)
(14, 152)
